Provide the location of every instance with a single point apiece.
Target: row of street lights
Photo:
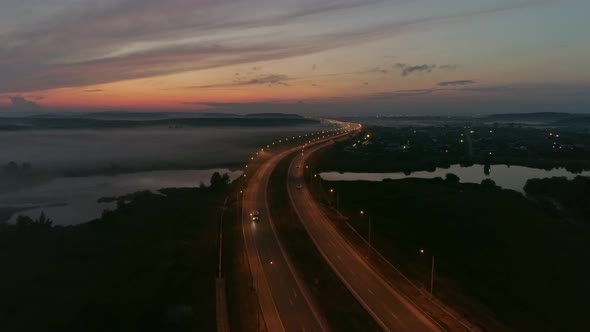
(364, 214)
(324, 133)
(369, 247)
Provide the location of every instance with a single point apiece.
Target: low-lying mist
(64, 172)
(33, 156)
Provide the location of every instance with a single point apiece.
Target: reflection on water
(73, 199)
(509, 177)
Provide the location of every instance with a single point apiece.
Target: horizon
(315, 58)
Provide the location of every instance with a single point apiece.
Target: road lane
(391, 311)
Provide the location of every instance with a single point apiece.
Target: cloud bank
(84, 43)
(457, 83)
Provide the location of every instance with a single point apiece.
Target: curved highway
(389, 309)
(284, 300)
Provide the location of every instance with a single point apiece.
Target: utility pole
(221, 236)
(369, 236)
(332, 191)
(369, 242)
(432, 276)
(422, 251)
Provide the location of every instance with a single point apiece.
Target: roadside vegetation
(568, 198)
(149, 265)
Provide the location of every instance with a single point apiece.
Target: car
(299, 186)
(255, 216)
(297, 166)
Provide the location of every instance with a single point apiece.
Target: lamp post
(431, 273)
(369, 237)
(337, 200)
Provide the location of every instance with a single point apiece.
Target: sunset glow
(392, 56)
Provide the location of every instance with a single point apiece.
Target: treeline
(26, 223)
(572, 195)
(12, 167)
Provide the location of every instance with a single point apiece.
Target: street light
(431, 273)
(337, 200)
(368, 242)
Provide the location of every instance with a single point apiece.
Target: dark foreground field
(148, 266)
(496, 246)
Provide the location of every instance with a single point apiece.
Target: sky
(349, 57)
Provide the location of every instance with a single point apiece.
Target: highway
(284, 300)
(389, 309)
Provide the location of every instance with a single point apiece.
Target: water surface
(508, 177)
(73, 200)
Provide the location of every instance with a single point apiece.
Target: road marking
(394, 316)
(370, 291)
(294, 292)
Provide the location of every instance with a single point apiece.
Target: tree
(452, 178)
(488, 183)
(216, 181)
(23, 222)
(219, 181)
(574, 167)
(225, 178)
(11, 167)
(3, 226)
(43, 221)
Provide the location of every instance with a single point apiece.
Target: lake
(508, 177)
(73, 200)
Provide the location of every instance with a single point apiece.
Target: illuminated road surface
(391, 311)
(284, 300)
